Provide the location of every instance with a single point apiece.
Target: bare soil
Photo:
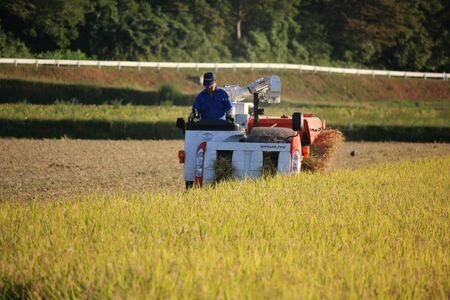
(52, 169)
(57, 169)
(352, 155)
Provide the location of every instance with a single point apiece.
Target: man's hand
(230, 119)
(230, 115)
(194, 116)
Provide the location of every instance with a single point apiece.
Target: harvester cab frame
(253, 142)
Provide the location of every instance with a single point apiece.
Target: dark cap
(209, 78)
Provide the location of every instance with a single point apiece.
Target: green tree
(394, 34)
(316, 27)
(212, 18)
(187, 39)
(268, 31)
(12, 47)
(437, 23)
(43, 25)
(374, 33)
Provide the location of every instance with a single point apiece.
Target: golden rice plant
(378, 232)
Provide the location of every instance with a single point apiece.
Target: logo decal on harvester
(273, 146)
(207, 136)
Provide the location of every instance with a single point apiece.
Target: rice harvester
(251, 142)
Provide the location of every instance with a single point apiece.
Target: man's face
(211, 88)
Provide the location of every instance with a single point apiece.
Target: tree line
(384, 34)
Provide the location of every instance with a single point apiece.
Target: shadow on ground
(11, 290)
(13, 91)
(89, 129)
(396, 133)
(166, 130)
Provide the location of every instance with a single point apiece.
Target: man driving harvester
(212, 103)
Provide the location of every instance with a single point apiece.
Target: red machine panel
(311, 125)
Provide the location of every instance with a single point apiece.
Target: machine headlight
(199, 163)
(296, 162)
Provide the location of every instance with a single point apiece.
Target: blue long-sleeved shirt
(212, 107)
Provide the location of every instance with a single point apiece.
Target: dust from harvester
(322, 150)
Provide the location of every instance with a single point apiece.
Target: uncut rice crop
(379, 232)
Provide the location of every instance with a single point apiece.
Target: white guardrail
(217, 66)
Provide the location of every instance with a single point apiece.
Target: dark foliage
(386, 34)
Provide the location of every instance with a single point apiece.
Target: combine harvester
(252, 143)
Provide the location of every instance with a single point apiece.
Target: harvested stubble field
(65, 168)
(51, 169)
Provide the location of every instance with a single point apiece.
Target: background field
(377, 232)
(112, 104)
(306, 86)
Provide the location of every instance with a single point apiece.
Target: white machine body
(268, 89)
(193, 138)
(247, 158)
(242, 113)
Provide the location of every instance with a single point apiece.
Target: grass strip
(383, 114)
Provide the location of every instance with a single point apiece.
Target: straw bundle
(322, 150)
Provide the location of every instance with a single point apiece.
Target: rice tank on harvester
(252, 143)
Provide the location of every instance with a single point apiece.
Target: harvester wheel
(189, 185)
(297, 121)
